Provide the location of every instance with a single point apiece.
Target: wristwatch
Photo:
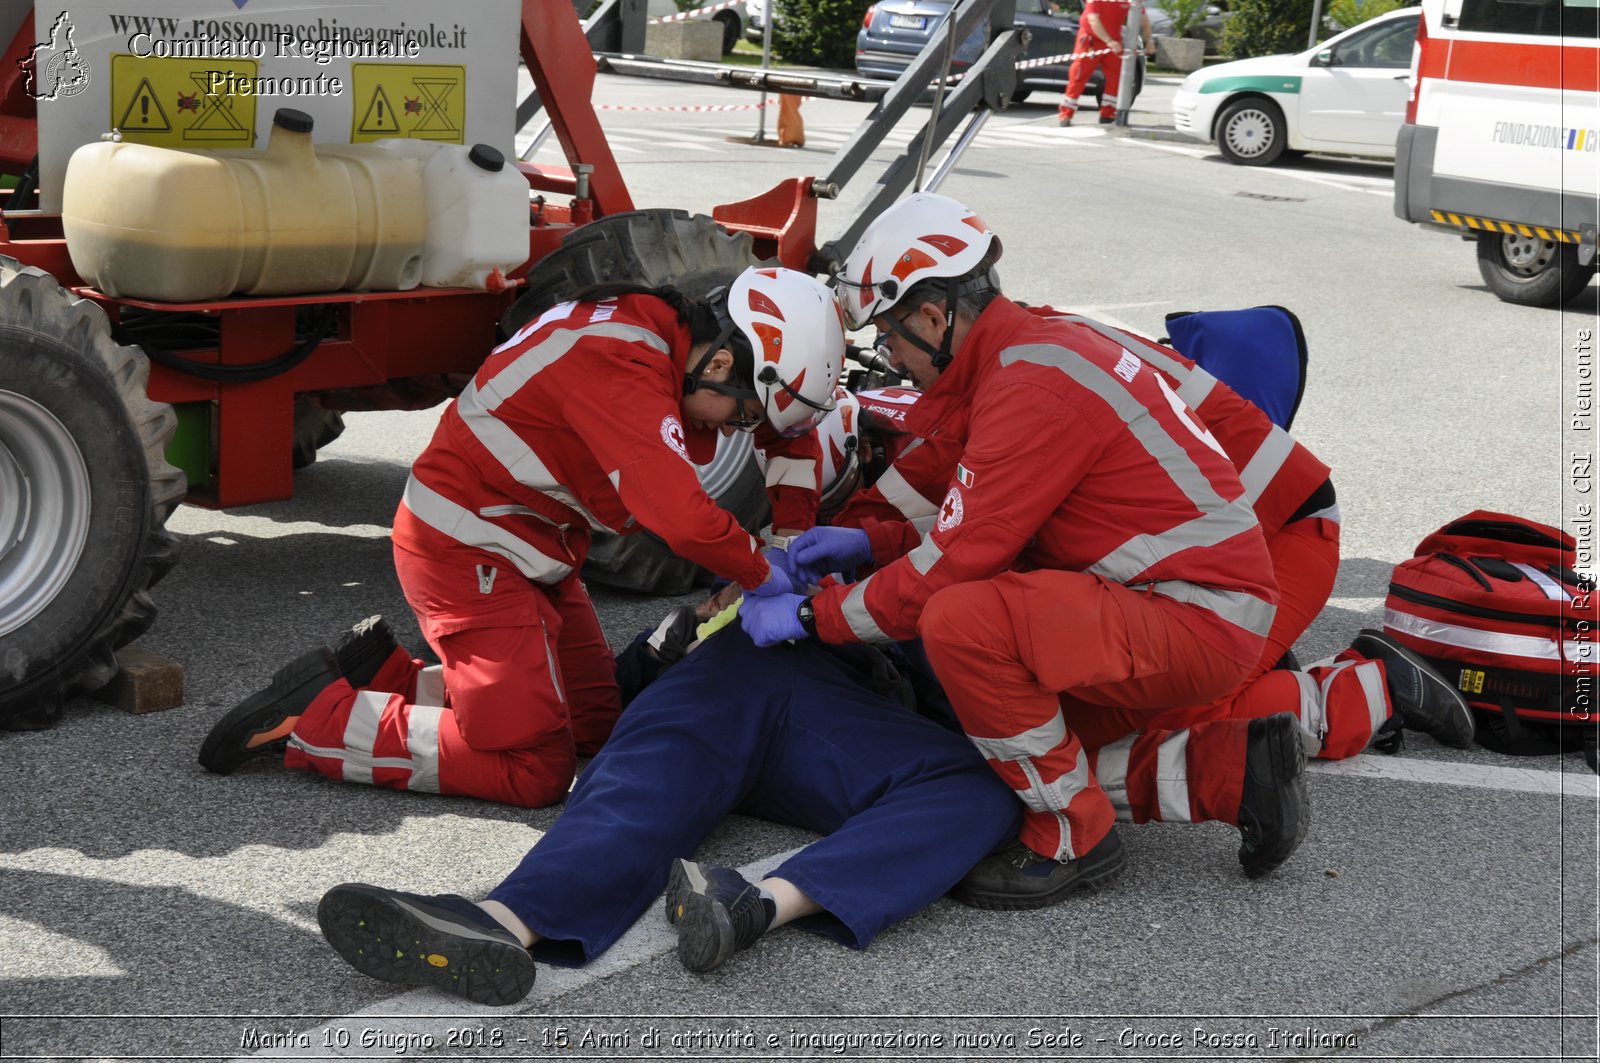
(808, 617)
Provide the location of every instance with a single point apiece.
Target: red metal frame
(381, 337)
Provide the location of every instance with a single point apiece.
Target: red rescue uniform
(1093, 551)
(571, 427)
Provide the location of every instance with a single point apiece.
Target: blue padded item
(1259, 353)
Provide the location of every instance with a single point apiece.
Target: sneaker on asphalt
(1275, 811)
(446, 942)
(292, 690)
(1419, 695)
(1064, 118)
(717, 912)
(1107, 119)
(1018, 879)
(363, 649)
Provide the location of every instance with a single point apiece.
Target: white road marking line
(1193, 152)
(423, 1009)
(1578, 784)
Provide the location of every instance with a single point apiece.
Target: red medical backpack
(1491, 600)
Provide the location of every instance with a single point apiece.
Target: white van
(1502, 139)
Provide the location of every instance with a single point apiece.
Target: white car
(1346, 96)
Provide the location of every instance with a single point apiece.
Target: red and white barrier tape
(700, 107)
(697, 12)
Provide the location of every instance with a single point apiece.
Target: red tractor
(114, 409)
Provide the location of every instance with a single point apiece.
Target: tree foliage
(818, 32)
(1266, 27)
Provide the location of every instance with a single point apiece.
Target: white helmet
(796, 340)
(922, 237)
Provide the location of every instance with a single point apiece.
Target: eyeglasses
(746, 422)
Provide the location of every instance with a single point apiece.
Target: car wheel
(730, 30)
(1531, 271)
(1251, 132)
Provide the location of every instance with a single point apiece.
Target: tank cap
(486, 158)
(292, 120)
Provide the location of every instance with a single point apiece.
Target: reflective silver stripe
(1376, 694)
(1265, 462)
(1313, 715)
(1172, 779)
(1111, 772)
(422, 742)
(925, 556)
(1055, 797)
(361, 733)
(550, 657)
(511, 511)
(1195, 388)
(357, 766)
(516, 456)
(542, 355)
(792, 472)
(1552, 590)
(466, 527)
(1236, 607)
(898, 492)
(1530, 646)
(1330, 514)
(1143, 551)
(430, 686)
(925, 524)
(1034, 742)
(1218, 520)
(855, 614)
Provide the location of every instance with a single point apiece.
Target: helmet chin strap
(941, 354)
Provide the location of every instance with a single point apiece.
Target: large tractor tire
(85, 491)
(652, 247)
(314, 428)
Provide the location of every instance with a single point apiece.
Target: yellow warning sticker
(182, 103)
(1471, 681)
(408, 100)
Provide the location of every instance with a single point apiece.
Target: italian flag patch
(964, 476)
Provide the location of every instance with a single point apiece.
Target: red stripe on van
(1574, 68)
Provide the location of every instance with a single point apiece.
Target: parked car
(1346, 96)
(894, 31)
(732, 19)
(755, 26)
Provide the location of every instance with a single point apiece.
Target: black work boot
(1422, 699)
(446, 942)
(363, 649)
(1018, 879)
(1275, 810)
(717, 911)
(292, 690)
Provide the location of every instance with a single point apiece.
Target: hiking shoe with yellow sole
(444, 941)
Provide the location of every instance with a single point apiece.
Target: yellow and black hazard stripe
(1466, 221)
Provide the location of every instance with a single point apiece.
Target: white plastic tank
(181, 226)
(477, 212)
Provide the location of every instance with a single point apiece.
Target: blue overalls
(788, 734)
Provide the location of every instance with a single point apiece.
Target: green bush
(1266, 27)
(818, 32)
(1186, 14)
(1342, 14)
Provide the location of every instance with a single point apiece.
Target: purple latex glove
(771, 619)
(779, 580)
(815, 553)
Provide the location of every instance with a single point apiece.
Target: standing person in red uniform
(586, 420)
(1099, 46)
(1094, 555)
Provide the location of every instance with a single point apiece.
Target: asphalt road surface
(1444, 905)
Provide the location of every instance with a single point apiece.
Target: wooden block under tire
(145, 682)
